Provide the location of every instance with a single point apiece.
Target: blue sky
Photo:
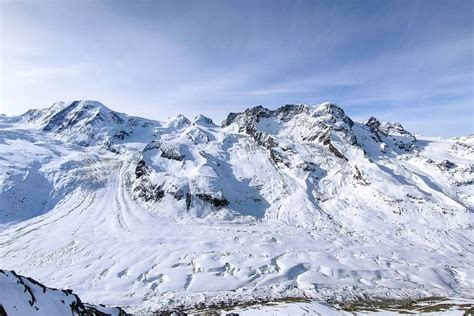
(407, 61)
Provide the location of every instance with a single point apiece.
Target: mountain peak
(387, 128)
(373, 123)
(225, 206)
(334, 111)
(179, 122)
(285, 112)
(62, 115)
(78, 104)
(393, 134)
(203, 120)
(327, 105)
(86, 122)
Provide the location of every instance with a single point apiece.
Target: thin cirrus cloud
(408, 61)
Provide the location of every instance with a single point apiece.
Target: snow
(25, 296)
(20, 296)
(296, 202)
(16, 300)
(452, 307)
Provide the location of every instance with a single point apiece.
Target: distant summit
(87, 122)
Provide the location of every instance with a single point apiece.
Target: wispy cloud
(392, 59)
(35, 75)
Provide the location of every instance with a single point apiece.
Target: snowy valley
(300, 202)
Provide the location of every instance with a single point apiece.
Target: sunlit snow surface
(445, 307)
(380, 223)
(24, 296)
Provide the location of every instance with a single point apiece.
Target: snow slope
(300, 201)
(442, 307)
(21, 295)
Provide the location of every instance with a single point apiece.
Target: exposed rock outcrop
(20, 295)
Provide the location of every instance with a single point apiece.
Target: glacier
(296, 202)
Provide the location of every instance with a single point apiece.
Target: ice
(299, 202)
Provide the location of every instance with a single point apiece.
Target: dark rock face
(263, 139)
(325, 139)
(278, 158)
(178, 194)
(121, 134)
(446, 165)
(167, 151)
(308, 166)
(188, 201)
(248, 118)
(217, 202)
(253, 115)
(247, 121)
(144, 188)
(231, 117)
(141, 169)
(392, 133)
(373, 123)
(389, 127)
(287, 112)
(359, 177)
(108, 146)
(148, 191)
(336, 152)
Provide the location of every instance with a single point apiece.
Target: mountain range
(296, 202)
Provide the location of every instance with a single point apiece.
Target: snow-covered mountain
(25, 296)
(300, 201)
(86, 123)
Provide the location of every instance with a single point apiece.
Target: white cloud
(157, 63)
